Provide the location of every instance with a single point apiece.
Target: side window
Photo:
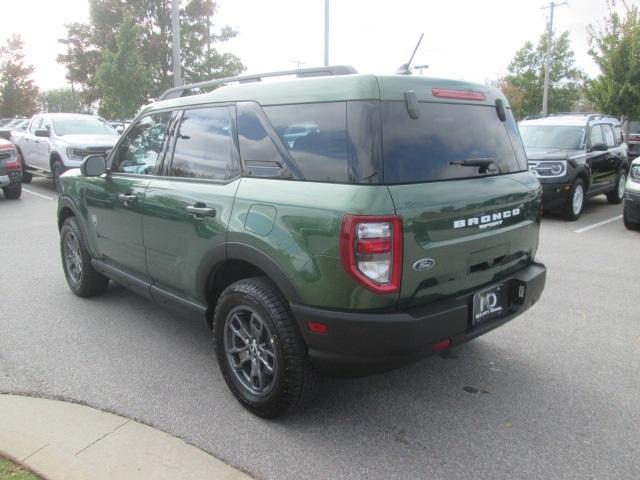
(204, 144)
(596, 135)
(316, 137)
(140, 151)
(46, 124)
(608, 136)
(618, 134)
(35, 124)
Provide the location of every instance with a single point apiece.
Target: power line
(547, 62)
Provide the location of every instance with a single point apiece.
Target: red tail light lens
(9, 157)
(457, 94)
(371, 249)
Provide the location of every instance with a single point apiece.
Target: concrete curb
(59, 440)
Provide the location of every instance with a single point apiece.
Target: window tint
(35, 124)
(316, 138)
(142, 148)
(432, 146)
(204, 144)
(260, 156)
(596, 135)
(608, 136)
(552, 136)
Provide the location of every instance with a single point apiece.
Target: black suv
(576, 156)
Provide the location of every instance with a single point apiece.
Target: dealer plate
(489, 304)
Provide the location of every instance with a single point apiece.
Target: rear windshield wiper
(485, 164)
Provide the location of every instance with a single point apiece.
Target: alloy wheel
(621, 185)
(578, 199)
(72, 258)
(250, 350)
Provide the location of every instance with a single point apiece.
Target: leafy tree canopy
(122, 76)
(18, 94)
(59, 100)
(524, 84)
(616, 50)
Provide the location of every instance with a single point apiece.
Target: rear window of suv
(430, 147)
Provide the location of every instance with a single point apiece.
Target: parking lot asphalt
(553, 394)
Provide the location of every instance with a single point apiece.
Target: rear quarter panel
(304, 240)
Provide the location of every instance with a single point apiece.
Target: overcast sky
(469, 39)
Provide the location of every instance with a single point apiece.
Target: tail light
(458, 94)
(9, 158)
(371, 249)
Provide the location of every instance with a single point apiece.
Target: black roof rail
(300, 73)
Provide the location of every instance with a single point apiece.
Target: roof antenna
(405, 68)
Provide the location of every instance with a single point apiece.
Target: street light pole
(65, 41)
(175, 30)
(547, 61)
(326, 33)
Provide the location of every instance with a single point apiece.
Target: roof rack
(590, 115)
(300, 73)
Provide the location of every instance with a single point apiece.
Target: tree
(18, 94)
(122, 77)
(200, 58)
(524, 84)
(616, 50)
(58, 100)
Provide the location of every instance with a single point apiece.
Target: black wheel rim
(72, 258)
(250, 350)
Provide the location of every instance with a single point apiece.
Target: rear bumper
(10, 178)
(361, 343)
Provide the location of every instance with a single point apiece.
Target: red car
(10, 170)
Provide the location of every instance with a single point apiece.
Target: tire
(572, 208)
(83, 280)
(12, 191)
(616, 195)
(26, 176)
(628, 223)
(57, 169)
(252, 318)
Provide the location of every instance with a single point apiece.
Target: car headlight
(549, 168)
(76, 154)
(635, 173)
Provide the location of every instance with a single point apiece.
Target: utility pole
(175, 30)
(547, 62)
(67, 42)
(326, 33)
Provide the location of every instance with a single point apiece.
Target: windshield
(552, 136)
(82, 126)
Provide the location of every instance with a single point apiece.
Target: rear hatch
(458, 178)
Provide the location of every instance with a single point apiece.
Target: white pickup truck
(55, 142)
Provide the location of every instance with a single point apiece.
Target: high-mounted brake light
(457, 94)
(371, 250)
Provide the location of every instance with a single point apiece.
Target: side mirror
(43, 132)
(599, 147)
(119, 129)
(93, 165)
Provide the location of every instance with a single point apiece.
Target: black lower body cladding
(554, 195)
(360, 343)
(632, 207)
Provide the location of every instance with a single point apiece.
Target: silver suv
(55, 142)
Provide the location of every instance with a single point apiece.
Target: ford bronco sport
(576, 156)
(338, 223)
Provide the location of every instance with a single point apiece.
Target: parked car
(576, 156)
(631, 208)
(10, 170)
(16, 124)
(633, 139)
(55, 142)
(404, 223)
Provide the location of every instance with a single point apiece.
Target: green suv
(332, 223)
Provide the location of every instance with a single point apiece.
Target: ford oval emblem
(424, 264)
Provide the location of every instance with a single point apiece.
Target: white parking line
(599, 224)
(46, 197)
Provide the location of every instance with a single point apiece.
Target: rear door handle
(199, 211)
(128, 199)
